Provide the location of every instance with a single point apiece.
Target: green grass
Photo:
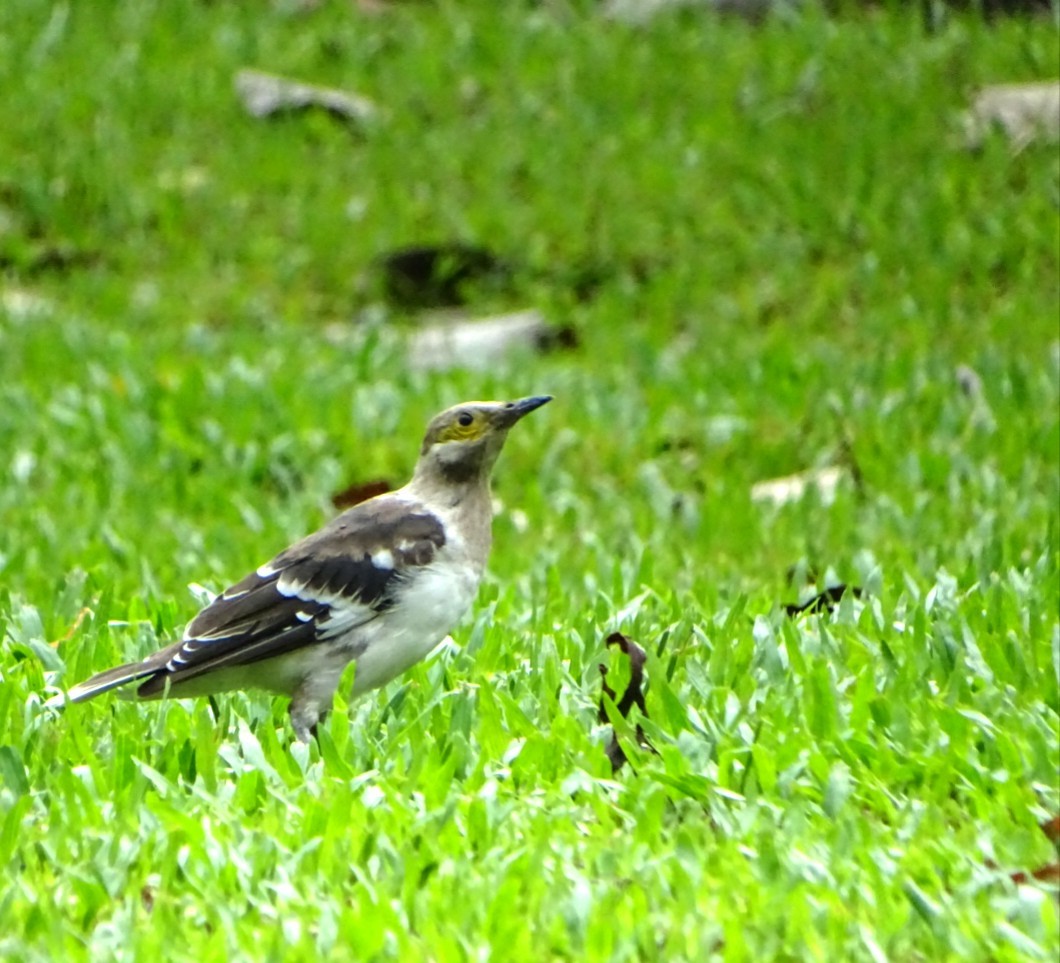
(796, 256)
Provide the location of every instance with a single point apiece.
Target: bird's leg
(309, 707)
(312, 698)
(305, 716)
(314, 730)
(305, 727)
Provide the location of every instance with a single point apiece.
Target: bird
(380, 585)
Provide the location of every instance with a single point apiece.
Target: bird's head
(463, 442)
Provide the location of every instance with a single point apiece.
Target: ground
(774, 253)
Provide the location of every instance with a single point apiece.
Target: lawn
(772, 253)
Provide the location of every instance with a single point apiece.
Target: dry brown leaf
(633, 696)
(823, 601)
(360, 492)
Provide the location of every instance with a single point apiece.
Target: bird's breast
(425, 609)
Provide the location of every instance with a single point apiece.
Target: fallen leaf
(481, 343)
(792, 488)
(265, 94)
(968, 381)
(1024, 112)
(1051, 828)
(376, 7)
(360, 492)
(641, 11)
(633, 696)
(21, 304)
(823, 601)
(1050, 873)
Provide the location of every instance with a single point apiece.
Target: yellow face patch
(465, 426)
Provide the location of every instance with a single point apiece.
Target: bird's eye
(465, 418)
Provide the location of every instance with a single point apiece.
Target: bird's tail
(111, 679)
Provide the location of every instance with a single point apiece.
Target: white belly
(425, 611)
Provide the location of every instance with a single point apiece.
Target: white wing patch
(343, 613)
(289, 588)
(384, 558)
(343, 616)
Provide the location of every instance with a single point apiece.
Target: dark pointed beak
(514, 410)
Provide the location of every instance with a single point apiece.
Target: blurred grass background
(792, 254)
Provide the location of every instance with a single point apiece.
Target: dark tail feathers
(111, 679)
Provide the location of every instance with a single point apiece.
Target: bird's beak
(514, 410)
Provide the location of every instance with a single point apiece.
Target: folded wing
(318, 590)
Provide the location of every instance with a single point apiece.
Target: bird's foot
(306, 720)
